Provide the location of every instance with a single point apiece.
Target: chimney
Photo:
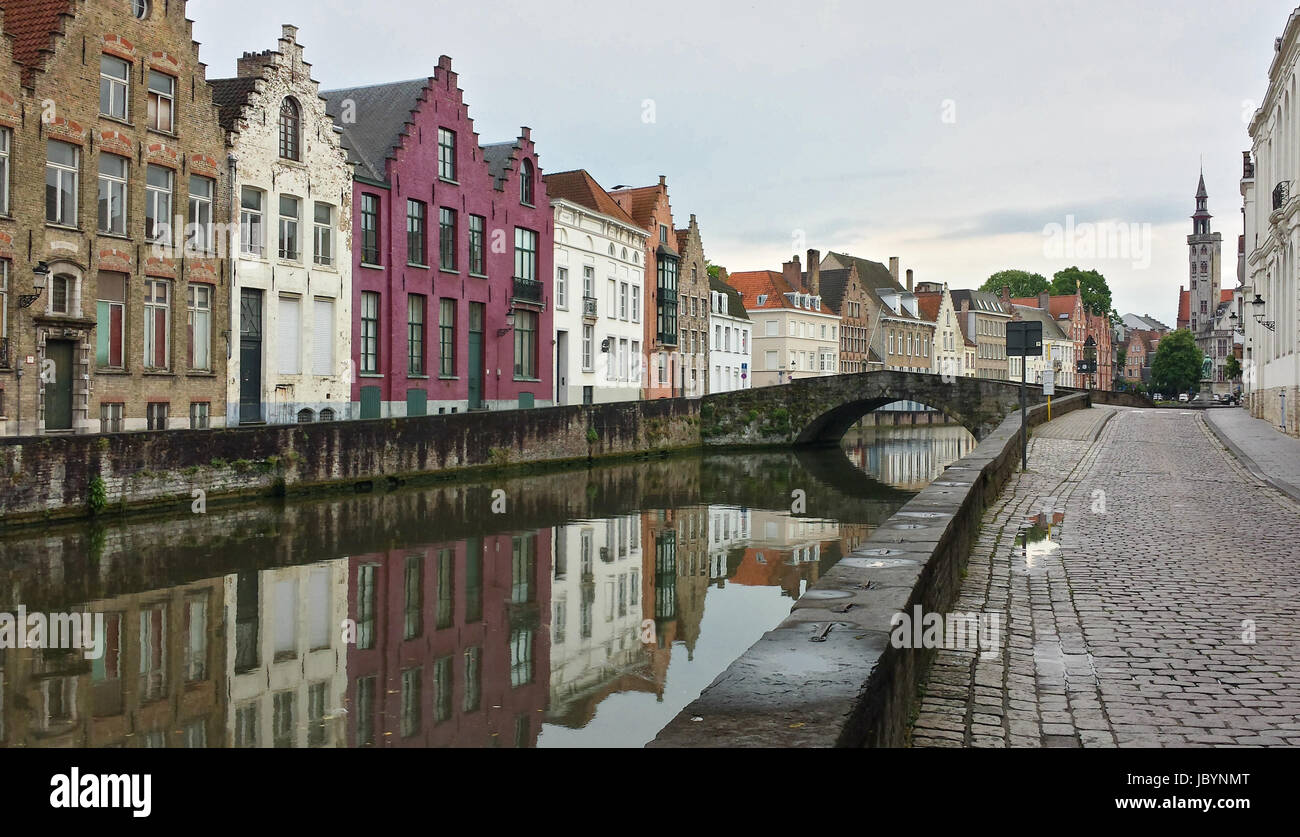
(793, 273)
(1045, 300)
(289, 33)
(250, 64)
(1006, 296)
(909, 280)
(893, 267)
(663, 181)
(814, 273)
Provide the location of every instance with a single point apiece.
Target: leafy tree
(1121, 356)
(1177, 365)
(1232, 368)
(713, 269)
(1022, 283)
(1096, 293)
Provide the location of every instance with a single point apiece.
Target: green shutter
(370, 402)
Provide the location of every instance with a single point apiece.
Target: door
(562, 368)
(250, 356)
(476, 317)
(58, 387)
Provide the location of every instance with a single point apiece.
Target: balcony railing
(1281, 192)
(4, 353)
(528, 290)
(667, 339)
(589, 307)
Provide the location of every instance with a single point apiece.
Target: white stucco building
(730, 340)
(948, 353)
(599, 282)
(795, 336)
(1271, 195)
(290, 335)
(286, 664)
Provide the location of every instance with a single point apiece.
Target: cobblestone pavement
(1164, 610)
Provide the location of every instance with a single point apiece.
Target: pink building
(452, 248)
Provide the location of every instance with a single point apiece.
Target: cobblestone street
(1163, 611)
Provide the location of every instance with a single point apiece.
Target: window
(525, 344)
(200, 327)
(415, 237)
(370, 229)
(288, 338)
(252, 238)
(62, 292)
(445, 608)
(446, 154)
(771, 328)
(622, 300)
(202, 191)
(589, 282)
(199, 413)
(636, 303)
(667, 299)
(473, 679)
(636, 360)
(525, 254)
(447, 338)
(158, 203)
(588, 338)
(110, 418)
(157, 324)
(323, 235)
(114, 76)
(369, 332)
(526, 183)
(562, 287)
(415, 334)
(290, 127)
(477, 229)
(322, 337)
(140, 8)
(663, 233)
(5, 136)
(771, 361)
(414, 614)
(4, 299)
(156, 415)
(61, 183)
(366, 607)
(447, 238)
(289, 207)
(112, 194)
(442, 689)
(162, 102)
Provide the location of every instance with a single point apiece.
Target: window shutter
(322, 338)
(290, 349)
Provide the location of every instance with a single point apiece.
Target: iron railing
(528, 290)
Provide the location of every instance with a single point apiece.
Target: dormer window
(290, 124)
(526, 183)
(762, 298)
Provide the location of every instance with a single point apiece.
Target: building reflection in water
(405, 632)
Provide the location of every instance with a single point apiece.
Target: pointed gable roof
(32, 26)
(230, 95)
(928, 304)
(769, 283)
(578, 186)
(871, 274)
(380, 113)
(640, 203)
(834, 284)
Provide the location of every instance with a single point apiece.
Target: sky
(963, 138)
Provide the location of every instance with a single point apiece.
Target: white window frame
(119, 88)
(199, 320)
(117, 187)
(153, 308)
(323, 235)
(156, 98)
(289, 223)
(62, 172)
(252, 223)
(198, 236)
(159, 202)
(562, 288)
(6, 137)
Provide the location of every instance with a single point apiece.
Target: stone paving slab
(1265, 450)
(1163, 611)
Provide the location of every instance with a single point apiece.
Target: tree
(1096, 293)
(713, 269)
(1021, 282)
(1177, 365)
(1232, 368)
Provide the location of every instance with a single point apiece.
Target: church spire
(1201, 220)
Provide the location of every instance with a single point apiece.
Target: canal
(565, 609)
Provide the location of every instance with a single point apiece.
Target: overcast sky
(948, 134)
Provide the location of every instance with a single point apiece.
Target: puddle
(876, 563)
(1035, 539)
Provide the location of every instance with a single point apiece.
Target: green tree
(713, 269)
(1232, 368)
(1021, 282)
(1096, 293)
(1177, 365)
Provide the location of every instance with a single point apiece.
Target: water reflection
(602, 603)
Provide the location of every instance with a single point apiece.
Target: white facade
(1271, 366)
(286, 664)
(293, 264)
(596, 608)
(728, 530)
(795, 342)
(949, 346)
(599, 293)
(730, 346)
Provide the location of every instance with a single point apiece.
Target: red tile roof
(755, 283)
(32, 24)
(581, 188)
(1225, 296)
(929, 304)
(640, 203)
(1056, 305)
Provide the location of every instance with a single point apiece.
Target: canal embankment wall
(68, 477)
(829, 675)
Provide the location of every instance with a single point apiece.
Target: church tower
(1205, 250)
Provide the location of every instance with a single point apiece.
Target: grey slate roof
(1141, 321)
(832, 284)
(498, 157)
(872, 274)
(230, 95)
(380, 113)
(1051, 330)
(735, 305)
(979, 301)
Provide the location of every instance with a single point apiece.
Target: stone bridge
(818, 411)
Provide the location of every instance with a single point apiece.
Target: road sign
(1024, 338)
(1086, 367)
(1049, 381)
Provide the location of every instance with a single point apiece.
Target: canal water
(567, 609)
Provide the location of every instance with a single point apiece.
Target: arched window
(526, 183)
(305, 416)
(327, 414)
(290, 130)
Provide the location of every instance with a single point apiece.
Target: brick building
(693, 312)
(649, 207)
(453, 245)
(114, 180)
(843, 291)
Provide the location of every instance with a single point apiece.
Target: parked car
(1183, 398)
(1158, 397)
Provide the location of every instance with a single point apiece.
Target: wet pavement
(1265, 450)
(1153, 601)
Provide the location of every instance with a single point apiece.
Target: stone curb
(1249, 463)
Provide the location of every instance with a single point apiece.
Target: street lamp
(40, 273)
(1259, 305)
(510, 324)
